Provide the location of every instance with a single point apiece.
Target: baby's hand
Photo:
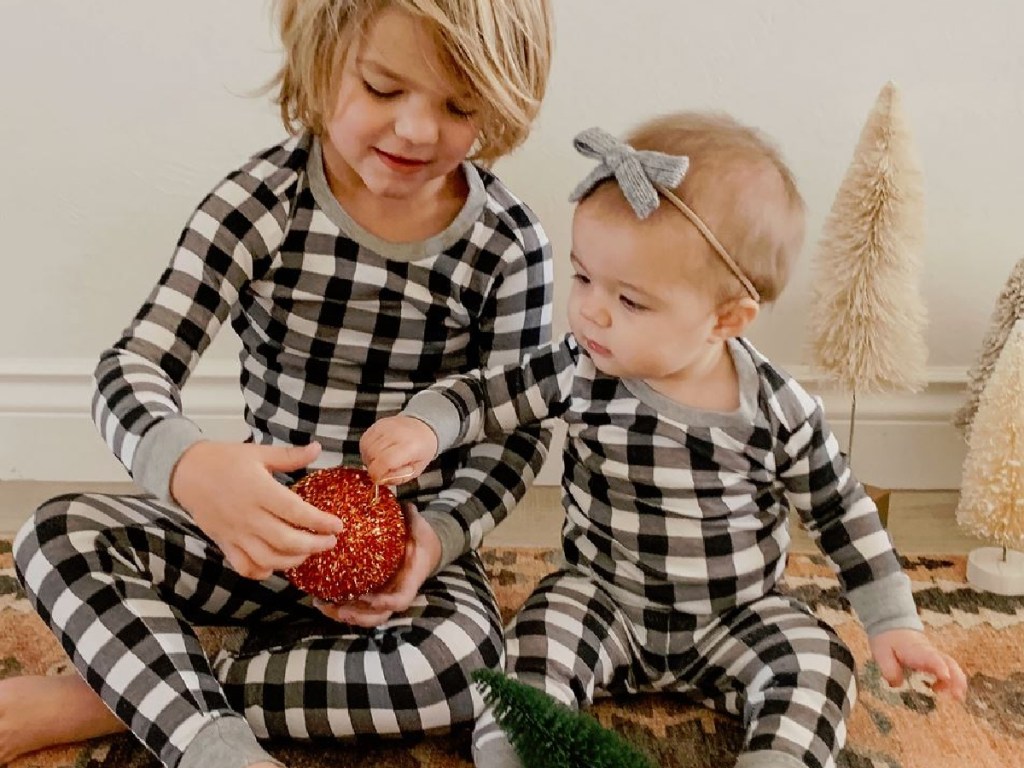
(397, 448)
(900, 649)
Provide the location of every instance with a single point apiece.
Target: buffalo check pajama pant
(786, 673)
(121, 579)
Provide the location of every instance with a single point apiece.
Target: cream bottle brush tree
(992, 490)
(1008, 310)
(867, 313)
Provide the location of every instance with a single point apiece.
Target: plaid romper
(675, 537)
(338, 328)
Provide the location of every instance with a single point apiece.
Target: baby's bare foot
(43, 711)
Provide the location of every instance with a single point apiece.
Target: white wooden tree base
(987, 570)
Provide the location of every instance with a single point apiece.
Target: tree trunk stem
(853, 423)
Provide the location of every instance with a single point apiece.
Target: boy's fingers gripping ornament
(370, 549)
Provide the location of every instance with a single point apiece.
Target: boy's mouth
(398, 162)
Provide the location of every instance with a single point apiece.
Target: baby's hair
(738, 184)
(500, 50)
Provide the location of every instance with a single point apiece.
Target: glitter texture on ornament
(370, 549)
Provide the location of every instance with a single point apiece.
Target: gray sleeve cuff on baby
(885, 604)
(440, 414)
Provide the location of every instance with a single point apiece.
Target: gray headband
(644, 177)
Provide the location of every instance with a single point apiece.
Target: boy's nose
(417, 124)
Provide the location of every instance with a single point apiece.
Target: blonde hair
(739, 186)
(500, 50)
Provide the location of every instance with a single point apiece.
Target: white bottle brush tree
(867, 314)
(992, 490)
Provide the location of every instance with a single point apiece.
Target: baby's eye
(631, 305)
(582, 279)
(380, 94)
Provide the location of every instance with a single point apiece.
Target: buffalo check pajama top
(674, 539)
(338, 328)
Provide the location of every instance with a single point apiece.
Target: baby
(686, 450)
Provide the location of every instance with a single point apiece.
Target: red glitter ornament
(370, 549)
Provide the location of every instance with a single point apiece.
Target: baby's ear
(735, 316)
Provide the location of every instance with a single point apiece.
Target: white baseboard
(902, 440)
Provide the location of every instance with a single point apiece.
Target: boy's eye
(460, 111)
(580, 278)
(380, 94)
(629, 304)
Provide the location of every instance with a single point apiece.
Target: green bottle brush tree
(547, 734)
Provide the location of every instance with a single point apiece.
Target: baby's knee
(819, 663)
(844, 668)
(834, 665)
(799, 714)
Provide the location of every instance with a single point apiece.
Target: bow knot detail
(638, 173)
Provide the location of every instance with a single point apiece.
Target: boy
(357, 261)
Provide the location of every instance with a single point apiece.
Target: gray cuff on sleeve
(765, 759)
(439, 413)
(453, 538)
(159, 451)
(885, 604)
(226, 742)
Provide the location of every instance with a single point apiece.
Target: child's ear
(735, 316)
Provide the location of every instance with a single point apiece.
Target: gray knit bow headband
(644, 177)
(636, 171)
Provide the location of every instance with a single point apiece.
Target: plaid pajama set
(338, 329)
(674, 540)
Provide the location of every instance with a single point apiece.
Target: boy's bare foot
(42, 711)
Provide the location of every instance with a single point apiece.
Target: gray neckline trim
(442, 241)
(699, 417)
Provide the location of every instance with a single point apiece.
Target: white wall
(117, 116)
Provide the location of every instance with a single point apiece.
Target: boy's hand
(422, 555)
(900, 649)
(398, 447)
(260, 525)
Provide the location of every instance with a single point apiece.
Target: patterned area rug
(905, 728)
